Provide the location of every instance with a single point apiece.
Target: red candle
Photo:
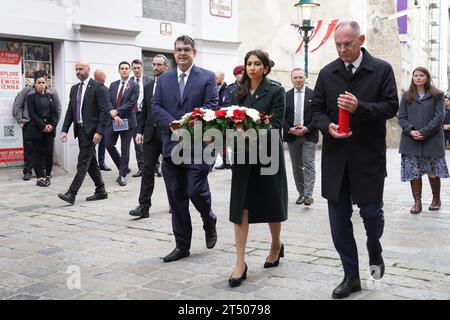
(344, 119)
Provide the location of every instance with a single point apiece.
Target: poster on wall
(18, 61)
(11, 82)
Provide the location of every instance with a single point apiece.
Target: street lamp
(306, 10)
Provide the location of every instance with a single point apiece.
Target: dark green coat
(265, 196)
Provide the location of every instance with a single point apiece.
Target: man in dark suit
(180, 91)
(354, 163)
(149, 134)
(301, 136)
(100, 76)
(124, 95)
(88, 110)
(142, 80)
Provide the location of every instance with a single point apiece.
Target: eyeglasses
(185, 50)
(347, 44)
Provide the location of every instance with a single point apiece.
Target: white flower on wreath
(254, 114)
(209, 115)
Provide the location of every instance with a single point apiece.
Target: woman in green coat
(257, 197)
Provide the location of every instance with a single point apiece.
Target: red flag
(316, 30)
(330, 30)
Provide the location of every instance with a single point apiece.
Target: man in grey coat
(354, 163)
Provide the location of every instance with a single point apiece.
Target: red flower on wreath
(197, 114)
(239, 115)
(221, 113)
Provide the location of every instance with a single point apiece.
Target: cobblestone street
(43, 241)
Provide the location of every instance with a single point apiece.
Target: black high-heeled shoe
(269, 264)
(236, 282)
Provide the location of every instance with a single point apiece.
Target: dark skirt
(264, 196)
(414, 167)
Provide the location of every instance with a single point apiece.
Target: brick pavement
(43, 241)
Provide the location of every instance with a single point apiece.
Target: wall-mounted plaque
(221, 8)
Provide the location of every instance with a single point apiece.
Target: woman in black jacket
(44, 117)
(421, 115)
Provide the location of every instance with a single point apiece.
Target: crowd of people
(353, 162)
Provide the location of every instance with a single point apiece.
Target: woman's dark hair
(244, 86)
(39, 74)
(411, 94)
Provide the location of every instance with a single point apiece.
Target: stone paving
(45, 245)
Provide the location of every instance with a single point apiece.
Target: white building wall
(105, 32)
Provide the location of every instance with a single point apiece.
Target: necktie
(78, 110)
(350, 69)
(182, 84)
(138, 104)
(119, 97)
(298, 117)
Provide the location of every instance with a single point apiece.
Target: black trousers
(340, 214)
(43, 155)
(101, 151)
(121, 160)
(184, 183)
(152, 151)
(27, 150)
(87, 163)
(139, 148)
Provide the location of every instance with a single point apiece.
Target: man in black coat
(354, 163)
(88, 110)
(149, 134)
(301, 136)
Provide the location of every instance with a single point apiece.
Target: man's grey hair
(161, 56)
(352, 24)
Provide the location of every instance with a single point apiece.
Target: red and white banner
(322, 33)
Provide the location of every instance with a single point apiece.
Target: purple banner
(402, 21)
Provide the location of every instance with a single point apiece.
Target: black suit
(152, 147)
(140, 119)
(95, 115)
(43, 110)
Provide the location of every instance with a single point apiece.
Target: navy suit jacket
(200, 92)
(127, 108)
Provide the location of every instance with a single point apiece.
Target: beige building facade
(268, 25)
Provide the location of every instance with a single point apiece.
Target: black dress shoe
(269, 264)
(138, 174)
(300, 200)
(27, 176)
(67, 197)
(104, 167)
(121, 181)
(98, 196)
(211, 237)
(236, 282)
(140, 211)
(176, 254)
(347, 286)
(376, 266)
